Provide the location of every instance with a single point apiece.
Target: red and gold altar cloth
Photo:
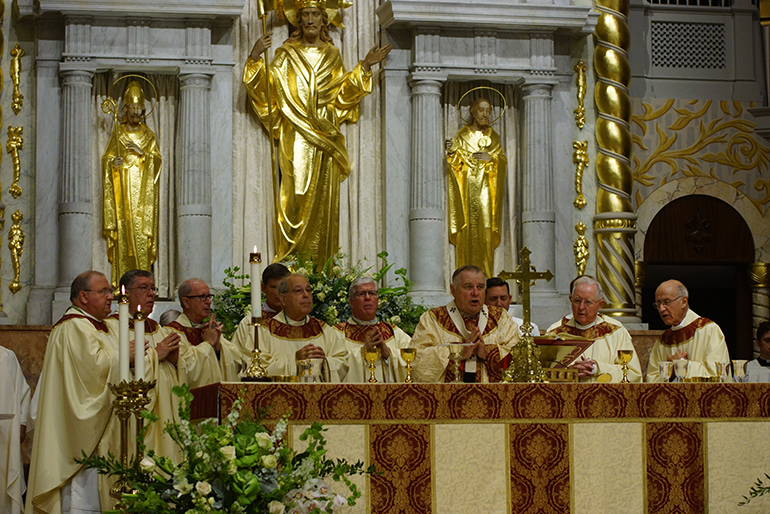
(533, 448)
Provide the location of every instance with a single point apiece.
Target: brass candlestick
(130, 398)
(256, 372)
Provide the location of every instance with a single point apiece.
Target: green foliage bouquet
(237, 467)
(330, 284)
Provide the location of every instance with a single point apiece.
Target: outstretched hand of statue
(375, 56)
(260, 46)
(133, 147)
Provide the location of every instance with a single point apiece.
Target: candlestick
(255, 261)
(139, 318)
(123, 342)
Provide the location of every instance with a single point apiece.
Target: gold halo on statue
(460, 101)
(332, 8)
(138, 77)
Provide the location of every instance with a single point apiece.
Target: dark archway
(707, 245)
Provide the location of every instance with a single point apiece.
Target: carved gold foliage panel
(673, 139)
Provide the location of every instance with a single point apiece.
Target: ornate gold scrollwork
(16, 244)
(581, 248)
(580, 158)
(18, 99)
(14, 144)
(580, 82)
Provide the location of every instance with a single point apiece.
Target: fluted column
(538, 213)
(426, 213)
(75, 206)
(194, 178)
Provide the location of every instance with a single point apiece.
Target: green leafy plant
(330, 284)
(757, 490)
(236, 467)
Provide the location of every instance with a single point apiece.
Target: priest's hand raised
(310, 351)
(374, 339)
(168, 349)
(212, 332)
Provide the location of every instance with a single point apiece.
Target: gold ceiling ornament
(759, 275)
(16, 244)
(18, 99)
(580, 82)
(580, 248)
(614, 207)
(460, 101)
(580, 158)
(14, 144)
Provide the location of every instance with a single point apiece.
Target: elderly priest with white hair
(364, 330)
(487, 332)
(689, 336)
(599, 361)
(293, 334)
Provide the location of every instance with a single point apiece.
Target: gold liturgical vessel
(408, 354)
(624, 357)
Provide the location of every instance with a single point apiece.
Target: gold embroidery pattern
(540, 468)
(675, 468)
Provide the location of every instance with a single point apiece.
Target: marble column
(75, 206)
(194, 178)
(426, 213)
(538, 211)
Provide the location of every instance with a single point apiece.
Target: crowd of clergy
(71, 409)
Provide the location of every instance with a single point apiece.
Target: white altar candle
(123, 341)
(255, 261)
(139, 318)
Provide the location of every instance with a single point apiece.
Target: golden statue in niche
(476, 183)
(131, 167)
(308, 97)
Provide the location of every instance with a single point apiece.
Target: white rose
(269, 461)
(321, 296)
(263, 440)
(228, 452)
(395, 319)
(275, 507)
(203, 488)
(147, 465)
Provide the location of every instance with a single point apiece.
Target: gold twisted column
(615, 221)
(759, 282)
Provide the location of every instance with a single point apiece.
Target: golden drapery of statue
(477, 167)
(311, 95)
(131, 166)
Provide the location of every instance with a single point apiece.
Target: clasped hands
(585, 367)
(681, 354)
(167, 349)
(477, 347)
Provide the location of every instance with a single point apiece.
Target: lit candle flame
(122, 289)
(255, 249)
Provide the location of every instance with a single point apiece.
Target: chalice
(456, 356)
(371, 355)
(721, 370)
(739, 370)
(624, 357)
(408, 354)
(680, 369)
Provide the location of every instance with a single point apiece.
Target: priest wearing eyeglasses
(599, 361)
(689, 336)
(203, 352)
(364, 330)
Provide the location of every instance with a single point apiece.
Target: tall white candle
(255, 262)
(139, 318)
(123, 337)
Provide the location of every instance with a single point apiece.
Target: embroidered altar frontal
(533, 448)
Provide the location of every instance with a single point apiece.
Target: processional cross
(525, 364)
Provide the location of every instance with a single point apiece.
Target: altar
(532, 448)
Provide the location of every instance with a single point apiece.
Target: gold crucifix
(525, 363)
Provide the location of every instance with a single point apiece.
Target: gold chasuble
(163, 402)
(609, 336)
(476, 197)
(312, 95)
(701, 338)
(74, 409)
(436, 330)
(280, 337)
(198, 361)
(355, 334)
(131, 196)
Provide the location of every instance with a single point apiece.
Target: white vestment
(755, 372)
(391, 371)
(14, 402)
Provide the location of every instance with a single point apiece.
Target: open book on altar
(559, 350)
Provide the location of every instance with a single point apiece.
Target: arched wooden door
(706, 244)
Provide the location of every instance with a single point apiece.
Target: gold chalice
(371, 355)
(408, 354)
(456, 356)
(624, 357)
